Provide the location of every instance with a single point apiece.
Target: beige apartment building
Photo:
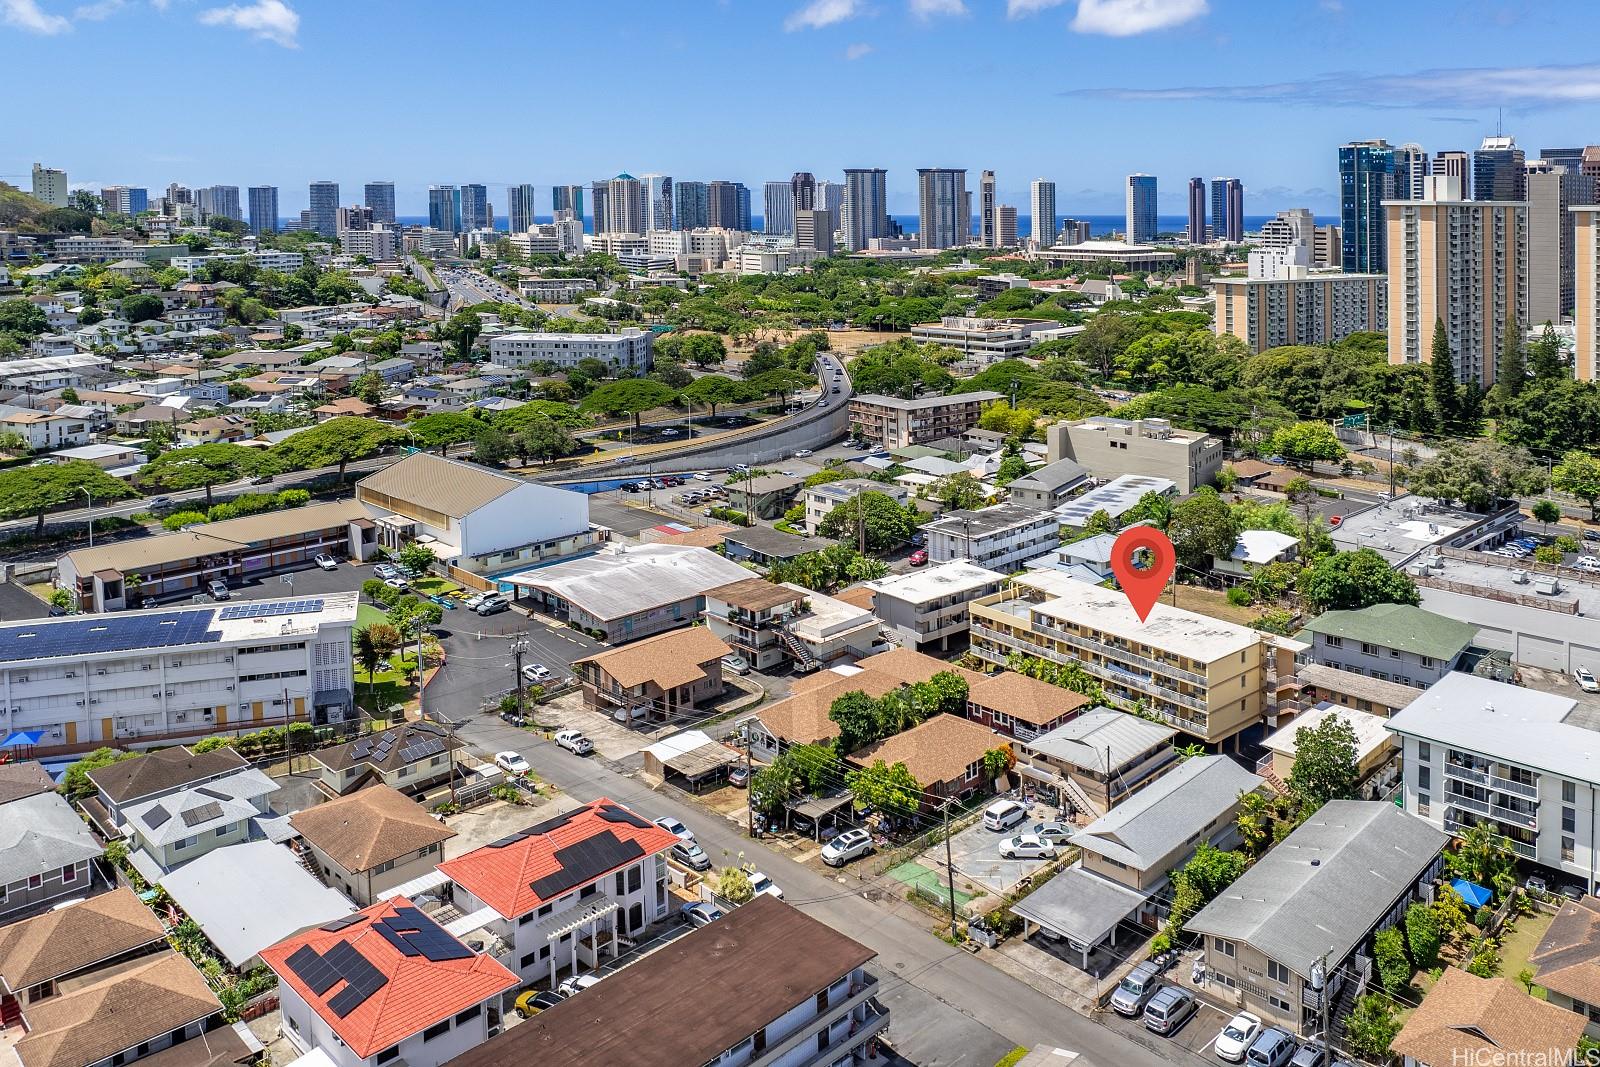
(1108, 447)
(895, 423)
(1586, 294)
(1208, 678)
(1463, 263)
(1311, 309)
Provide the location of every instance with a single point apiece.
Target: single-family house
(1021, 707)
(1465, 1019)
(1050, 486)
(410, 757)
(1568, 960)
(944, 753)
(127, 783)
(46, 853)
(40, 957)
(165, 833)
(371, 841)
(656, 679)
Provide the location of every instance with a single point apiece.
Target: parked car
(1135, 990)
(764, 886)
(850, 845)
(1310, 1054)
(1585, 680)
(1169, 1009)
(736, 664)
(1273, 1048)
(218, 589)
(801, 453)
(397, 582)
(574, 742)
(700, 913)
(1236, 1036)
(701, 476)
(1003, 815)
(492, 604)
(577, 984)
(325, 561)
(1027, 847)
(918, 558)
(385, 571)
(511, 762)
(739, 777)
(1054, 832)
(532, 1001)
(675, 828)
(536, 672)
(691, 855)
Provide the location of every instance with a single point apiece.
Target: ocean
(1099, 225)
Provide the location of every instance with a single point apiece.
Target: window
(1394, 653)
(1568, 848)
(1569, 821)
(436, 1030)
(1569, 792)
(1277, 972)
(1427, 661)
(1368, 649)
(635, 878)
(470, 1014)
(1226, 948)
(1424, 750)
(588, 891)
(388, 1054)
(547, 909)
(69, 873)
(1278, 1002)
(1424, 807)
(35, 881)
(1335, 642)
(1424, 777)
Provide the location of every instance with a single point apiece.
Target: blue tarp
(22, 737)
(1475, 895)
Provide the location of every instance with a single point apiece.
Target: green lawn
(915, 874)
(368, 614)
(435, 586)
(1516, 946)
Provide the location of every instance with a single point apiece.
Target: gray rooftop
(1052, 477)
(624, 579)
(775, 543)
(1114, 498)
(1326, 885)
(921, 402)
(1399, 529)
(1079, 904)
(1508, 722)
(990, 520)
(1083, 741)
(190, 812)
(1147, 827)
(40, 834)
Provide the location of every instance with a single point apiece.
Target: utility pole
(518, 649)
(861, 527)
(949, 868)
(1391, 461)
(749, 801)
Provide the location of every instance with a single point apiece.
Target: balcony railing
(1466, 774)
(1108, 671)
(1521, 848)
(1515, 788)
(1090, 644)
(1468, 803)
(1526, 819)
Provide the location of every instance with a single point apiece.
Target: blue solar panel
(105, 633)
(269, 609)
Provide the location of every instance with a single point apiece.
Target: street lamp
(85, 491)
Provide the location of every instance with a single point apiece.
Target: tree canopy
(33, 491)
(1356, 579)
(887, 524)
(334, 443)
(205, 466)
(629, 396)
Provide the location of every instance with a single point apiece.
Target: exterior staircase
(1081, 799)
(804, 660)
(1344, 1001)
(10, 1011)
(1264, 770)
(312, 867)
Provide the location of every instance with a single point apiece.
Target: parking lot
(1194, 1036)
(975, 852)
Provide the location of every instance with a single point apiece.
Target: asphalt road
(947, 1007)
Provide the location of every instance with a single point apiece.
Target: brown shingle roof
(1252, 468)
(1025, 698)
(939, 750)
(802, 718)
(858, 596)
(393, 757)
(443, 485)
(119, 1013)
(705, 537)
(26, 779)
(163, 770)
(67, 941)
(746, 969)
(370, 826)
(754, 594)
(1568, 957)
(1467, 1019)
(910, 666)
(668, 660)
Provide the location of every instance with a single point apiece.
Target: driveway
(975, 852)
(17, 603)
(611, 739)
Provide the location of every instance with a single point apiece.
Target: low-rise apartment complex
(929, 606)
(628, 350)
(1001, 537)
(1209, 678)
(1108, 447)
(1389, 642)
(891, 422)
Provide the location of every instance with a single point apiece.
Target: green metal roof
(1401, 626)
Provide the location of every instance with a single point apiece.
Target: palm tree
(368, 655)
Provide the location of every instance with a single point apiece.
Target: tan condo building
(1463, 263)
(1311, 309)
(895, 423)
(1586, 293)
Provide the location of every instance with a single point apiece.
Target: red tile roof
(419, 991)
(530, 868)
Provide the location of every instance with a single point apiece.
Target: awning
(471, 921)
(1028, 770)
(1474, 894)
(1082, 907)
(707, 759)
(22, 738)
(417, 886)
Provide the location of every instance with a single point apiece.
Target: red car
(919, 557)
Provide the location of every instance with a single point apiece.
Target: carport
(692, 756)
(817, 809)
(1079, 907)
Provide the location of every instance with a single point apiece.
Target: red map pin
(1142, 559)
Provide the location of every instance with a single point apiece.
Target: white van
(1003, 814)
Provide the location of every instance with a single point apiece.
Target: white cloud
(1021, 9)
(928, 9)
(270, 20)
(856, 51)
(1128, 18)
(820, 13)
(1463, 88)
(27, 15)
(95, 12)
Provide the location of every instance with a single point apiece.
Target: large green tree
(1578, 475)
(1356, 579)
(1443, 385)
(444, 428)
(629, 396)
(141, 307)
(1546, 360)
(334, 443)
(886, 787)
(1202, 526)
(1510, 369)
(856, 715)
(462, 330)
(1325, 763)
(205, 467)
(960, 491)
(1303, 442)
(714, 390)
(1477, 474)
(877, 516)
(33, 491)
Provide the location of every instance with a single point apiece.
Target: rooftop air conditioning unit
(1547, 585)
(1519, 576)
(72, 674)
(1419, 570)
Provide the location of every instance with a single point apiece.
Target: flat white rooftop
(1174, 630)
(939, 580)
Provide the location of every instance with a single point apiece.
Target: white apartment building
(95, 250)
(1476, 750)
(169, 674)
(1001, 537)
(630, 349)
(820, 500)
(377, 243)
(992, 339)
(1293, 307)
(1110, 447)
(265, 259)
(930, 606)
(553, 290)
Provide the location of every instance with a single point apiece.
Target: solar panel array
(340, 924)
(268, 609)
(98, 634)
(584, 861)
(156, 816)
(537, 829)
(616, 813)
(322, 971)
(422, 750)
(204, 813)
(415, 934)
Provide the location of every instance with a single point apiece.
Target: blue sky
(282, 92)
